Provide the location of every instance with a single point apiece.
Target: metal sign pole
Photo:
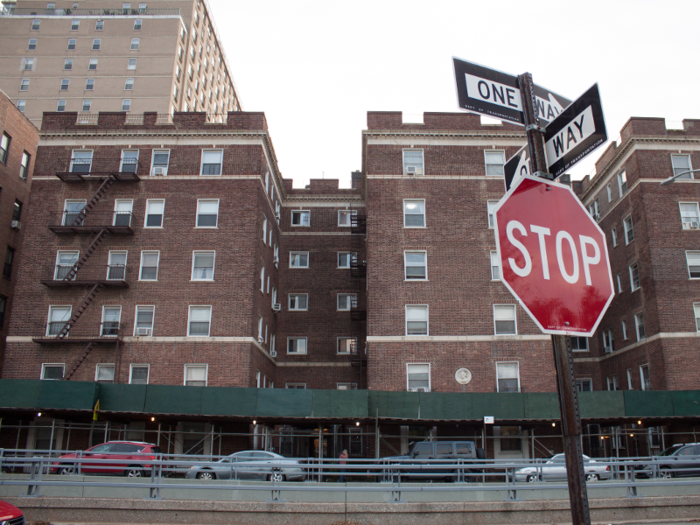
(568, 399)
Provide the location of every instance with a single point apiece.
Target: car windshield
(670, 450)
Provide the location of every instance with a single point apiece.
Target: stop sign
(554, 258)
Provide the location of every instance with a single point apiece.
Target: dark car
(676, 461)
(417, 464)
(10, 514)
(134, 459)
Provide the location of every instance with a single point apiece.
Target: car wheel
(532, 478)
(592, 477)
(206, 475)
(133, 471)
(276, 477)
(665, 474)
(67, 470)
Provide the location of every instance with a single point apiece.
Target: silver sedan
(250, 464)
(555, 470)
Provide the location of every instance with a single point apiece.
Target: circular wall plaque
(463, 376)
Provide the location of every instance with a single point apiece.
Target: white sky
(315, 67)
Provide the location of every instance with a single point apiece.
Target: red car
(132, 454)
(10, 514)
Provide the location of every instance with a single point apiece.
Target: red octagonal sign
(554, 258)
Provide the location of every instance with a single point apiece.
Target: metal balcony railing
(111, 275)
(108, 332)
(86, 169)
(357, 313)
(76, 222)
(27, 11)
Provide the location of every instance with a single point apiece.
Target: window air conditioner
(421, 389)
(276, 259)
(143, 331)
(688, 225)
(160, 171)
(410, 170)
(273, 353)
(15, 225)
(261, 339)
(277, 307)
(277, 215)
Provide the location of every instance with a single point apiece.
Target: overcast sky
(315, 67)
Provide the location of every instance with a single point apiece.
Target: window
(116, 271)
(122, 212)
(619, 283)
(696, 309)
(142, 8)
(211, 161)
(61, 106)
(99, 25)
(634, 276)
(418, 377)
(154, 213)
(301, 218)
(296, 386)
(690, 216)
(24, 165)
(138, 374)
(347, 386)
(613, 382)
(72, 212)
(9, 257)
(207, 213)
(495, 160)
(144, 321)
(149, 266)
(16, 210)
(126, 7)
(414, 214)
(260, 329)
(3, 307)
(622, 183)
(90, 84)
(134, 44)
(298, 259)
(346, 301)
(629, 229)
(639, 326)
(298, 301)
(29, 64)
(579, 344)
(68, 64)
(415, 265)
(58, 317)
(345, 217)
(491, 206)
(508, 377)
(137, 24)
(129, 161)
(87, 104)
(624, 330)
(195, 375)
(584, 385)
(111, 319)
(81, 161)
(681, 164)
(65, 260)
(36, 24)
(613, 236)
(608, 344)
(203, 266)
(264, 231)
(160, 161)
(594, 210)
(200, 321)
(344, 259)
(417, 319)
(64, 84)
(132, 64)
(609, 190)
(629, 379)
(75, 25)
(413, 162)
(4, 147)
(495, 266)
(96, 43)
(24, 84)
(504, 319)
(52, 371)
(126, 104)
(347, 345)
(296, 345)
(645, 377)
(262, 279)
(693, 261)
(93, 64)
(21, 104)
(129, 84)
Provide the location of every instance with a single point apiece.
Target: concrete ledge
(109, 510)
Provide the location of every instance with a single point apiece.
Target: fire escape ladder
(87, 301)
(90, 249)
(101, 191)
(79, 361)
(358, 272)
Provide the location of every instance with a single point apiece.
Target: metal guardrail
(27, 11)
(468, 475)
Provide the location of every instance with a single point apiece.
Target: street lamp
(671, 179)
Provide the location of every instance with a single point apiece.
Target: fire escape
(358, 312)
(76, 272)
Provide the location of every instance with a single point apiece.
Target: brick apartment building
(18, 143)
(95, 55)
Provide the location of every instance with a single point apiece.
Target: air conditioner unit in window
(419, 389)
(410, 170)
(143, 331)
(691, 225)
(273, 353)
(277, 307)
(160, 171)
(15, 225)
(261, 339)
(276, 259)
(277, 215)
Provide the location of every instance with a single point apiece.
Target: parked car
(676, 461)
(555, 470)
(417, 464)
(134, 456)
(10, 514)
(250, 464)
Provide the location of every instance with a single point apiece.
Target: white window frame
(189, 319)
(301, 222)
(162, 215)
(341, 342)
(639, 279)
(126, 104)
(105, 366)
(517, 375)
(625, 222)
(195, 253)
(75, 256)
(614, 382)
(295, 386)
(696, 311)
(52, 365)
(581, 381)
(264, 230)
(418, 167)
(609, 191)
(139, 365)
(61, 105)
(622, 183)
(96, 42)
(138, 24)
(92, 65)
(50, 317)
(293, 297)
(24, 85)
(624, 330)
(75, 25)
(423, 214)
(134, 44)
(346, 386)
(153, 159)
(118, 321)
(89, 84)
(619, 283)
(291, 259)
(136, 318)
(298, 338)
(345, 218)
(495, 261)
(608, 341)
(129, 84)
(613, 236)
(491, 217)
(694, 257)
(501, 163)
(36, 24)
(221, 162)
(687, 176)
(430, 376)
(515, 318)
(149, 252)
(87, 104)
(587, 349)
(131, 64)
(349, 298)
(197, 366)
(417, 307)
(66, 210)
(207, 201)
(407, 265)
(110, 264)
(128, 154)
(638, 324)
(641, 375)
(629, 379)
(340, 254)
(99, 25)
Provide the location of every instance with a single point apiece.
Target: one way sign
(577, 131)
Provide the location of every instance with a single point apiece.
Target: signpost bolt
(567, 323)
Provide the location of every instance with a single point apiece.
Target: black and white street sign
(517, 166)
(577, 131)
(496, 94)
